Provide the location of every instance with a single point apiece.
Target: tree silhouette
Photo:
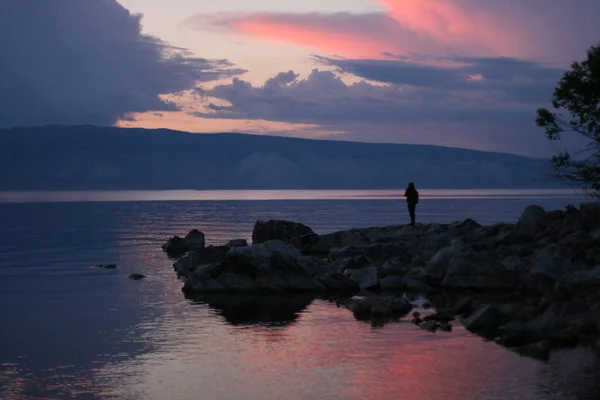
(576, 109)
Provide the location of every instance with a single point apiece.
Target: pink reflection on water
(326, 353)
(397, 361)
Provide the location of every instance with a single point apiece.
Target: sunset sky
(464, 73)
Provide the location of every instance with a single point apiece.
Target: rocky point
(531, 286)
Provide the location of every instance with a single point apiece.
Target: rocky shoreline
(532, 286)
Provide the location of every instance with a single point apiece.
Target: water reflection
(240, 309)
(573, 372)
(325, 353)
(69, 331)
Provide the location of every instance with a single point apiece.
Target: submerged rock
(430, 325)
(108, 266)
(136, 277)
(440, 316)
(446, 327)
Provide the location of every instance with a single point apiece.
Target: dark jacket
(412, 195)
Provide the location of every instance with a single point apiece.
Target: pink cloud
(447, 22)
(346, 34)
(548, 30)
(315, 29)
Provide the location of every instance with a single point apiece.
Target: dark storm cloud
(74, 61)
(518, 80)
(412, 102)
(475, 90)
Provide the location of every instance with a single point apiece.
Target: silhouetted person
(412, 199)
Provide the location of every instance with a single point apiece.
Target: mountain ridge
(87, 157)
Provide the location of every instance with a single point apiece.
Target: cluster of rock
(546, 268)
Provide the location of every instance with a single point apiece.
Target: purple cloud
(415, 104)
(73, 61)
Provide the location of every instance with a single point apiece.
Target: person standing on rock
(412, 199)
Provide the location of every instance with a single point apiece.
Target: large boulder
(342, 253)
(469, 230)
(415, 280)
(548, 325)
(478, 272)
(336, 282)
(271, 267)
(466, 225)
(356, 262)
(284, 231)
(237, 243)
(581, 283)
(396, 266)
(377, 252)
(367, 278)
(531, 222)
(574, 221)
(485, 320)
(519, 266)
(321, 245)
(186, 265)
(437, 267)
(546, 268)
(392, 282)
(460, 266)
(177, 246)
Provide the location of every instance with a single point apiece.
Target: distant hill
(103, 158)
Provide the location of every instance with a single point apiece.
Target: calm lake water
(68, 330)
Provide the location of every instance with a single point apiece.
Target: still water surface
(68, 330)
